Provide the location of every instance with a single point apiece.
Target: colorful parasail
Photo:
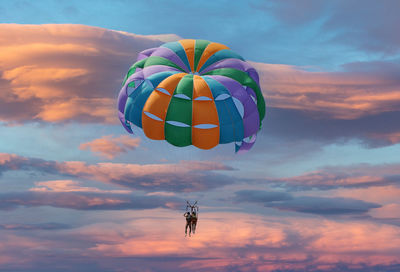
(193, 92)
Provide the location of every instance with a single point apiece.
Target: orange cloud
(56, 73)
(83, 109)
(110, 147)
(66, 66)
(59, 73)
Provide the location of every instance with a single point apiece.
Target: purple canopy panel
(235, 64)
(154, 69)
(167, 53)
(140, 74)
(235, 88)
(226, 63)
(252, 93)
(145, 54)
(246, 146)
(251, 119)
(253, 74)
(123, 122)
(123, 96)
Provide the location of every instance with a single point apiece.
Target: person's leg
(186, 227)
(194, 226)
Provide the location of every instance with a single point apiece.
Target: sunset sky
(319, 191)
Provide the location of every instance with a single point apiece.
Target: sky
(319, 191)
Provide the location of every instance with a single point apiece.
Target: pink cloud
(185, 175)
(392, 138)
(359, 175)
(180, 176)
(12, 245)
(387, 196)
(349, 94)
(378, 194)
(70, 186)
(252, 241)
(110, 147)
(84, 199)
(224, 241)
(390, 211)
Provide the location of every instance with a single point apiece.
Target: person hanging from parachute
(193, 92)
(191, 216)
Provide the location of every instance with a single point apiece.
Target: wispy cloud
(91, 62)
(110, 147)
(59, 73)
(85, 201)
(263, 243)
(184, 176)
(42, 226)
(70, 186)
(354, 176)
(360, 89)
(325, 206)
(347, 22)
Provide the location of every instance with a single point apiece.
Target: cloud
(353, 176)
(369, 35)
(42, 226)
(185, 176)
(261, 196)
(360, 89)
(109, 147)
(13, 162)
(154, 240)
(389, 211)
(59, 73)
(85, 201)
(324, 206)
(299, 126)
(306, 204)
(359, 102)
(242, 242)
(70, 186)
(348, 22)
(387, 194)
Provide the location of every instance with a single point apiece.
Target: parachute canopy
(193, 92)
